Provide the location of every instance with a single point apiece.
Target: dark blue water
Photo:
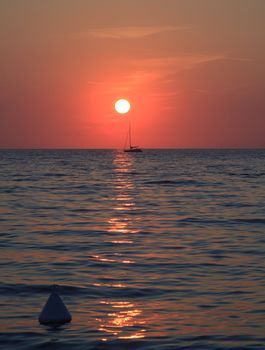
(159, 250)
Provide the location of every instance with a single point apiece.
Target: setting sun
(122, 106)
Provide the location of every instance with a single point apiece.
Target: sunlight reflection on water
(122, 323)
(124, 186)
(123, 320)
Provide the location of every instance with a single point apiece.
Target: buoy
(54, 311)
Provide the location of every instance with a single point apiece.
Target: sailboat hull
(134, 150)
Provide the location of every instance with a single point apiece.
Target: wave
(221, 222)
(175, 182)
(60, 339)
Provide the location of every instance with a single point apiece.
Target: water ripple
(161, 250)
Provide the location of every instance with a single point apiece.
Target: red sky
(194, 72)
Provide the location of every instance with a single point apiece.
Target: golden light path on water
(124, 319)
(124, 201)
(123, 316)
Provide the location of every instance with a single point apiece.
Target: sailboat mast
(130, 143)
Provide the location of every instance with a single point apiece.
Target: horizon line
(120, 149)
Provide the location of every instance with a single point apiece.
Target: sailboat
(131, 148)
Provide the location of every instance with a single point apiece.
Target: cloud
(161, 71)
(129, 32)
(185, 61)
(172, 65)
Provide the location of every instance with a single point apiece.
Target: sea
(159, 250)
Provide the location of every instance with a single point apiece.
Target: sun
(122, 106)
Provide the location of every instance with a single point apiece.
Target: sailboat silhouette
(129, 138)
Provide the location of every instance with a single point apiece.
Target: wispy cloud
(129, 32)
(182, 62)
(175, 64)
(161, 70)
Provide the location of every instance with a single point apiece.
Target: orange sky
(194, 72)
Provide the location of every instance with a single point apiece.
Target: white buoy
(54, 311)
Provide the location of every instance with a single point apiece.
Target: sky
(193, 71)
